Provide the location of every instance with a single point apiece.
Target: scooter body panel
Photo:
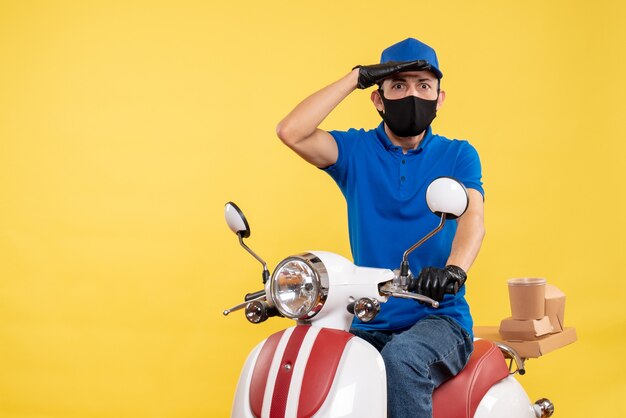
(358, 387)
(505, 399)
(241, 403)
(347, 282)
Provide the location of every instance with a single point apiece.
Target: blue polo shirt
(385, 191)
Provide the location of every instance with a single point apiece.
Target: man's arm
(469, 234)
(299, 129)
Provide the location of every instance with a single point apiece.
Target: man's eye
(424, 86)
(397, 86)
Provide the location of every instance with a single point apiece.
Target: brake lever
(244, 304)
(415, 296)
(390, 289)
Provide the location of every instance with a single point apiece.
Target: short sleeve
(468, 169)
(345, 143)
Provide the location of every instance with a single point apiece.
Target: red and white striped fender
(308, 371)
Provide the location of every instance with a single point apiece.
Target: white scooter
(318, 369)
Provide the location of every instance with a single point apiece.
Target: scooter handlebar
(452, 288)
(254, 295)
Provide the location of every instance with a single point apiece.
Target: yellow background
(126, 125)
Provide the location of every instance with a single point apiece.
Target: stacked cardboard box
(529, 349)
(533, 338)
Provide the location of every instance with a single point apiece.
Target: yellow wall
(126, 125)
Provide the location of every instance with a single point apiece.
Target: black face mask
(409, 116)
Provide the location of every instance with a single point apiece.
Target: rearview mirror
(236, 221)
(448, 196)
(239, 225)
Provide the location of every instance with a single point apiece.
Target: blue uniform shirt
(385, 191)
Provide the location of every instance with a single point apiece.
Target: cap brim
(419, 65)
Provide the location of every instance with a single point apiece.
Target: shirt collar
(389, 146)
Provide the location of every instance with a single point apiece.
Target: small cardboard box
(530, 349)
(527, 330)
(555, 307)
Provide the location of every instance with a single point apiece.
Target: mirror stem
(266, 272)
(404, 267)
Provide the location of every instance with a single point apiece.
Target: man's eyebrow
(405, 79)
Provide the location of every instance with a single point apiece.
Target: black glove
(435, 282)
(373, 74)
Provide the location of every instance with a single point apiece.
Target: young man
(383, 174)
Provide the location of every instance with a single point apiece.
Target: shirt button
(402, 178)
(403, 162)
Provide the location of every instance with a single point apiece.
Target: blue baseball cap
(412, 50)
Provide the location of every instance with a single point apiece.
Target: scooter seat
(459, 397)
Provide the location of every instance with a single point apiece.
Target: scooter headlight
(299, 286)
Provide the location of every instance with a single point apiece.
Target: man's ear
(441, 98)
(378, 102)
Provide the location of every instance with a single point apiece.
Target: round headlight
(296, 287)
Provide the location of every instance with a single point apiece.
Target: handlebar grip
(254, 295)
(452, 288)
